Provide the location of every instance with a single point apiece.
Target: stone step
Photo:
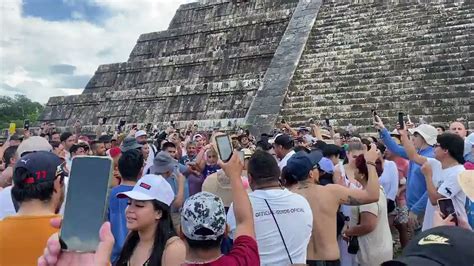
(369, 73)
(351, 100)
(388, 111)
(311, 92)
(212, 12)
(355, 80)
(396, 59)
(399, 65)
(348, 64)
(314, 53)
(350, 13)
(394, 39)
(328, 31)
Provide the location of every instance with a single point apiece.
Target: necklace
(203, 262)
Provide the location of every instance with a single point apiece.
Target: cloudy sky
(53, 47)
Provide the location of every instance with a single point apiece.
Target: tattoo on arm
(353, 201)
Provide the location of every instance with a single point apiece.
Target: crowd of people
(306, 196)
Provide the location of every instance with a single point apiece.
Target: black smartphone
(374, 114)
(148, 127)
(86, 203)
(401, 120)
(446, 207)
(283, 121)
(328, 124)
(224, 147)
(27, 124)
(104, 120)
(122, 123)
(134, 126)
(172, 124)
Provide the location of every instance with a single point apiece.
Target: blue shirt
(209, 170)
(186, 159)
(116, 217)
(174, 185)
(470, 212)
(416, 192)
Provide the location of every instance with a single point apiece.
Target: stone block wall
(410, 56)
(234, 62)
(207, 67)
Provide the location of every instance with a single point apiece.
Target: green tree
(17, 110)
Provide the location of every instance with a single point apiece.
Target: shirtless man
(325, 201)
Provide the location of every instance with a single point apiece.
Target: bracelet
(371, 163)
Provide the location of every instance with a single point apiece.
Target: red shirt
(243, 253)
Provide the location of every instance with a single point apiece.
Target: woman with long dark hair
(152, 239)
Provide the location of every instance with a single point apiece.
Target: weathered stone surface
(408, 56)
(207, 66)
(231, 62)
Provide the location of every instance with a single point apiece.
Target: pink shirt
(402, 167)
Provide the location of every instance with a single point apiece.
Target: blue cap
(326, 165)
(299, 165)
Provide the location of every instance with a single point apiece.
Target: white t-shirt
(446, 182)
(6, 204)
(375, 247)
(285, 159)
(294, 217)
(389, 179)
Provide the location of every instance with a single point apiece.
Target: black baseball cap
(283, 139)
(41, 166)
(444, 245)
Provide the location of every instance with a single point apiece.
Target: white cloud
(29, 46)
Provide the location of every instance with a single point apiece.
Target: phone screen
(27, 124)
(86, 203)
(327, 122)
(224, 147)
(401, 121)
(446, 207)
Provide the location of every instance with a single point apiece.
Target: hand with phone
(378, 124)
(440, 220)
(53, 255)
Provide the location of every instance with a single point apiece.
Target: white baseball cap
(150, 187)
(429, 133)
(140, 133)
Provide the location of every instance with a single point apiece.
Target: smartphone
(86, 203)
(328, 124)
(401, 121)
(148, 127)
(104, 120)
(12, 128)
(374, 113)
(446, 207)
(224, 147)
(134, 126)
(26, 124)
(172, 124)
(283, 121)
